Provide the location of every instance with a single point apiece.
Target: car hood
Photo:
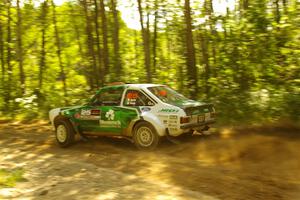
(69, 108)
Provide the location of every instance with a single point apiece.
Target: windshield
(167, 95)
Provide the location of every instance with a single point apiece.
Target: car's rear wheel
(145, 136)
(64, 133)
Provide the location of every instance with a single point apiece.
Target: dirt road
(229, 165)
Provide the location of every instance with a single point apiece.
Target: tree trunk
(211, 68)
(58, 52)
(284, 4)
(20, 48)
(2, 55)
(190, 57)
(169, 42)
(99, 50)
(205, 59)
(7, 96)
(136, 48)
(43, 44)
(213, 32)
(146, 45)
(117, 58)
(245, 4)
(105, 42)
(155, 36)
(77, 34)
(43, 59)
(277, 11)
(92, 72)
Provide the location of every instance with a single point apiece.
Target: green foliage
(9, 178)
(247, 59)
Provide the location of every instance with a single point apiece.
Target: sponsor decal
(145, 109)
(169, 110)
(110, 115)
(207, 116)
(90, 117)
(172, 125)
(131, 102)
(173, 117)
(95, 112)
(150, 103)
(110, 122)
(116, 124)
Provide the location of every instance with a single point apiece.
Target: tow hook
(205, 128)
(170, 138)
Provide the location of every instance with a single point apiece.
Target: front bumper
(196, 125)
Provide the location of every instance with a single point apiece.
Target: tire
(64, 133)
(145, 136)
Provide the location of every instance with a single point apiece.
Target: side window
(110, 97)
(136, 98)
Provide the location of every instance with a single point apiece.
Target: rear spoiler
(200, 109)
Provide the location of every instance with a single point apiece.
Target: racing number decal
(132, 97)
(88, 114)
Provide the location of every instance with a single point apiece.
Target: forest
(245, 59)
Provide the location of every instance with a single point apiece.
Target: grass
(9, 178)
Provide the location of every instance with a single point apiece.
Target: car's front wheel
(145, 136)
(64, 133)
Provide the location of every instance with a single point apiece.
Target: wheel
(64, 133)
(145, 136)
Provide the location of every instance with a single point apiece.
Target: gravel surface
(229, 165)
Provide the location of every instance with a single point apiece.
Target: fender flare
(155, 122)
(61, 117)
(58, 118)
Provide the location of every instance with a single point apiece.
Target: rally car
(143, 113)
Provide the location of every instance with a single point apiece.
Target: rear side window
(136, 98)
(110, 97)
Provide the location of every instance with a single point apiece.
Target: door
(103, 115)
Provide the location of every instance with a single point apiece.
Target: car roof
(127, 85)
(143, 85)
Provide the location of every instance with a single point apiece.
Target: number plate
(200, 118)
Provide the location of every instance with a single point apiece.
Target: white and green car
(144, 113)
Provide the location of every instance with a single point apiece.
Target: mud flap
(128, 139)
(78, 130)
(82, 136)
(171, 138)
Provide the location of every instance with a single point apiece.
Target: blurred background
(241, 55)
